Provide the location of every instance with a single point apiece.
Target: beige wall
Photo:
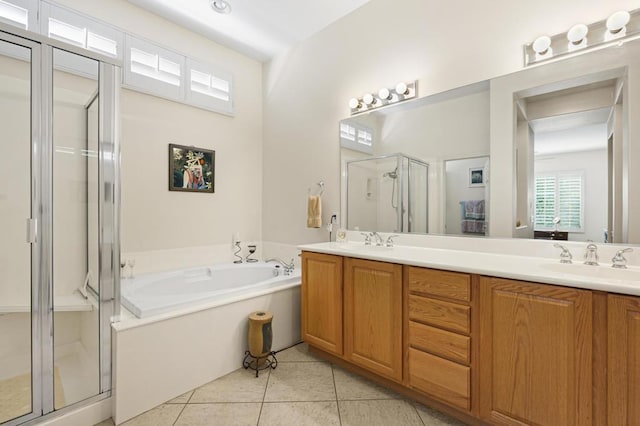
(152, 217)
(442, 44)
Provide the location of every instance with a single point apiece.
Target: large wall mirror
(419, 167)
(541, 153)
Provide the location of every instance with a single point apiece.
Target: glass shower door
(76, 333)
(19, 379)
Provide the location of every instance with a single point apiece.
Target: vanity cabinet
(623, 356)
(536, 353)
(322, 301)
(373, 316)
(439, 323)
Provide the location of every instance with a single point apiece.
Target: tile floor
(302, 390)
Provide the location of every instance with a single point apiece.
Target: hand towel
(314, 212)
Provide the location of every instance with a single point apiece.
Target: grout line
(335, 389)
(418, 413)
(181, 411)
(264, 396)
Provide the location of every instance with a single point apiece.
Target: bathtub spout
(288, 267)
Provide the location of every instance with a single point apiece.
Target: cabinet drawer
(440, 378)
(440, 342)
(450, 285)
(440, 314)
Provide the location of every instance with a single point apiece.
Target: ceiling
(257, 28)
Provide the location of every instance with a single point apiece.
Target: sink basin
(632, 273)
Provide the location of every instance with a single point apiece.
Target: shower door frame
(41, 221)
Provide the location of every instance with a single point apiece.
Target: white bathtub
(194, 328)
(154, 294)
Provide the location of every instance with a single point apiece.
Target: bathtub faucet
(288, 267)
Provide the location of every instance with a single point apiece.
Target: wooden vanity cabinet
(623, 354)
(373, 316)
(536, 353)
(439, 344)
(322, 301)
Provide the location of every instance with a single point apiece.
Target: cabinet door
(623, 360)
(535, 353)
(373, 316)
(322, 301)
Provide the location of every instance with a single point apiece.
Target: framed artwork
(191, 169)
(476, 176)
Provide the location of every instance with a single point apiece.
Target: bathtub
(154, 294)
(186, 328)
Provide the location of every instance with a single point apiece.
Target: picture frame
(476, 177)
(191, 169)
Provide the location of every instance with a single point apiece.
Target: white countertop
(536, 269)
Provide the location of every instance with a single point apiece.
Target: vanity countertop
(536, 269)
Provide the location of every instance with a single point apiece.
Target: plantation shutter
(545, 187)
(570, 201)
(559, 195)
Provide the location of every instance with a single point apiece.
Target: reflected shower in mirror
(432, 130)
(387, 194)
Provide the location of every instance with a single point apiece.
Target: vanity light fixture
(402, 92)
(619, 27)
(220, 6)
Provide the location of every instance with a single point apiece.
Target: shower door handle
(32, 231)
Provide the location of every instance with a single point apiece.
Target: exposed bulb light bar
(616, 29)
(402, 92)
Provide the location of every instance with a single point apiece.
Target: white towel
(314, 211)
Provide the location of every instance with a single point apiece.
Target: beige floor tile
(182, 399)
(240, 386)
(350, 386)
(378, 413)
(431, 417)
(108, 422)
(297, 353)
(165, 414)
(301, 381)
(224, 414)
(324, 413)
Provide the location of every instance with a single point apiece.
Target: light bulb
(577, 33)
(541, 45)
(385, 94)
(402, 89)
(368, 99)
(354, 103)
(617, 21)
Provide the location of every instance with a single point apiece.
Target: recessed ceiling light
(220, 6)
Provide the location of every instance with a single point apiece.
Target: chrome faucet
(367, 239)
(288, 267)
(379, 241)
(390, 238)
(619, 261)
(591, 255)
(565, 256)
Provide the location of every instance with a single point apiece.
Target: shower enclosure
(387, 194)
(59, 224)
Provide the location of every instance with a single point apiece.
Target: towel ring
(321, 190)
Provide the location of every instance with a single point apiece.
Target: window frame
(32, 8)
